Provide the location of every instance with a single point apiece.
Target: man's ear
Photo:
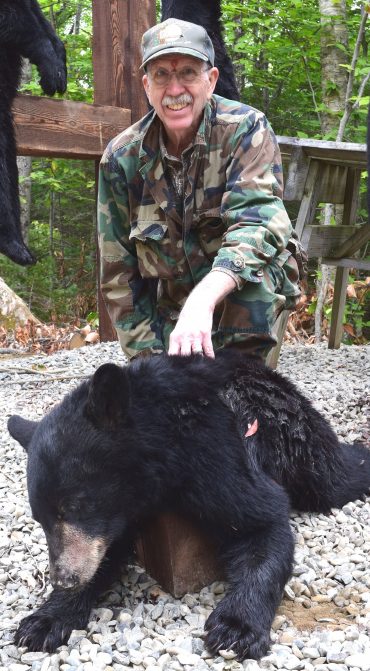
(146, 85)
(21, 430)
(109, 396)
(213, 75)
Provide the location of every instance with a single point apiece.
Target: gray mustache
(184, 99)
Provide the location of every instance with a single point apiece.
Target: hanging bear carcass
(207, 14)
(24, 32)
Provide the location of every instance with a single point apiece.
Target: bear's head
(75, 474)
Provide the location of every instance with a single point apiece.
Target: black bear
(208, 14)
(228, 443)
(24, 31)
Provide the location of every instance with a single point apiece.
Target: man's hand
(193, 331)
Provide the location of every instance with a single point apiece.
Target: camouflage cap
(177, 37)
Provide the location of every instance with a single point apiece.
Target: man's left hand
(193, 331)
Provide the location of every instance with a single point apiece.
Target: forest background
(293, 60)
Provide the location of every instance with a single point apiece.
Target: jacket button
(238, 263)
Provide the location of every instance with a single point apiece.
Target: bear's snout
(74, 557)
(60, 576)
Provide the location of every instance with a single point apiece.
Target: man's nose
(174, 86)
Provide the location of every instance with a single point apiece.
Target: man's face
(178, 88)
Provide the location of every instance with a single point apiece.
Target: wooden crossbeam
(358, 264)
(320, 240)
(344, 153)
(350, 246)
(64, 128)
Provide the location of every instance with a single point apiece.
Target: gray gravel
(324, 620)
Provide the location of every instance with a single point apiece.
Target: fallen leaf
(92, 337)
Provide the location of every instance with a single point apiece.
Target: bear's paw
(47, 631)
(229, 630)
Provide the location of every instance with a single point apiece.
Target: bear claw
(232, 633)
(45, 632)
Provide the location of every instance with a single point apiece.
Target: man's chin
(179, 119)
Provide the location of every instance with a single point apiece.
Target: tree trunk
(334, 53)
(13, 310)
(24, 164)
(334, 78)
(77, 21)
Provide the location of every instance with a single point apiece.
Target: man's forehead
(174, 61)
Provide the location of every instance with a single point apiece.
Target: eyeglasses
(187, 75)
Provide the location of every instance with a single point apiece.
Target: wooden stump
(179, 556)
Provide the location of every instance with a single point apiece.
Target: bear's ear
(109, 396)
(21, 430)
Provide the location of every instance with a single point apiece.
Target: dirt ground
(307, 619)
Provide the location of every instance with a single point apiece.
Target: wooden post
(339, 303)
(117, 29)
(178, 555)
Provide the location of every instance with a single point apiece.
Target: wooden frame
(63, 128)
(325, 172)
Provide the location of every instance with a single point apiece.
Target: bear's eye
(60, 514)
(73, 508)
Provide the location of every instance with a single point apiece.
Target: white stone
(360, 660)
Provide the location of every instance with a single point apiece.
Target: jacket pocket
(153, 249)
(210, 229)
(148, 230)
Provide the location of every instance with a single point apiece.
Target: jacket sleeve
(258, 227)
(130, 299)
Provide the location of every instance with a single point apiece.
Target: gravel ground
(324, 620)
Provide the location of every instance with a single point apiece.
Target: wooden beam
(357, 264)
(310, 199)
(350, 246)
(118, 28)
(64, 128)
(339, 303)
(325, 240)
(297, 174)
(351, 197)
(345, 153)
(181, 557)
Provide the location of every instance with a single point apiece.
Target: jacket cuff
(238, 268)
(239, 281)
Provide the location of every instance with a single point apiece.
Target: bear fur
(207, 14)
(24, 32)
(169, 434)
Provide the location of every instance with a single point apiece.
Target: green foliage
(276, 49)
(93, 319)
(62, 286)
(72, 20)
(356, 312)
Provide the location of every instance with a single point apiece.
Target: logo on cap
(170, 33)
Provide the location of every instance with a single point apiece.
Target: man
(193, 233)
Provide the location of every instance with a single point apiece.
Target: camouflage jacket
(233, 219)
